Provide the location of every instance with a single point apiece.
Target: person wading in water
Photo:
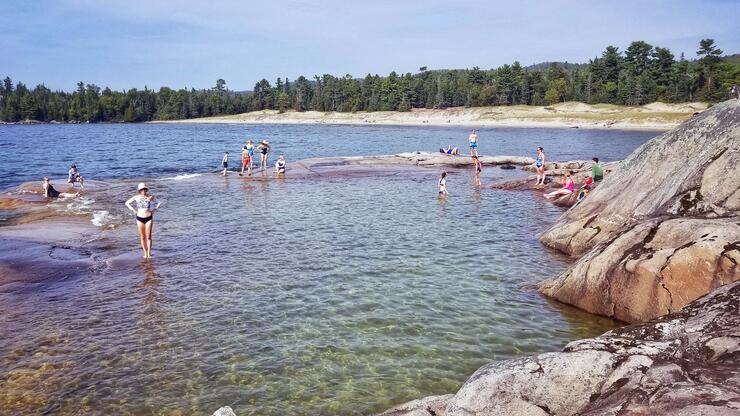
(143, 205)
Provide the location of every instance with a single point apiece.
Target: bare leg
(142, 236)
(148, 229)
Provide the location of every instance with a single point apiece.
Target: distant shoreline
(655, 116)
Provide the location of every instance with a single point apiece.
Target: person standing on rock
(477, 168)
(143, 204)
(264, 148)
(246, 162)
(539, 164)
(443, 185)
(473, 138)
(597, 172)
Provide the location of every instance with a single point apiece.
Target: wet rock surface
(684, 363)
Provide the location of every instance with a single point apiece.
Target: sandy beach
(655, 116)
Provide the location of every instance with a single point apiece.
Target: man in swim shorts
(473, 138)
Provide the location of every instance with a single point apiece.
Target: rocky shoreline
(660, 243)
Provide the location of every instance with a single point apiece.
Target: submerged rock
(662, 229)
(685, 363)
(224, 411)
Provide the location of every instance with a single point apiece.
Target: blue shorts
(473, 145)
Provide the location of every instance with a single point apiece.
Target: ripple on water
(298, 297)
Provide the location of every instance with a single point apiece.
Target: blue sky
(186, 43)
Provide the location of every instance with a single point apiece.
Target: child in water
(225, 163)
(246, 161)
(478, 167)
(443, 185)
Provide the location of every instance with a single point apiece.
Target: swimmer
(225, 163)
(50, 192)
(145, 205)
(443, 185)
(568, 186)
(74, 176)
(280, 166)
(539, 163)
(477, 168)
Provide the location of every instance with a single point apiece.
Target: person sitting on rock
(568, 186)
(597, 172)
(51, 192)
(449, 151)
(583, 192)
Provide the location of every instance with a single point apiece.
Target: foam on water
(183, 176)
(102, 218)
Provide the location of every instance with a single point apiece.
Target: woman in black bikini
(145, 205)
(51, 192)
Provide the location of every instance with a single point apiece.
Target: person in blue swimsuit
(250, 149)
(539, 164)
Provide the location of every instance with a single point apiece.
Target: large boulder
(662, 229)
(691, 170)
(685, 363)
(654, 268)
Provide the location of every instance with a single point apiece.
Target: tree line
(643, 73)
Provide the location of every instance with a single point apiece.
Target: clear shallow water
(303, 296)
(125, 150)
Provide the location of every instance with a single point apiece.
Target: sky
(192, 43)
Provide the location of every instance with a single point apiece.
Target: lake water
(332, 295)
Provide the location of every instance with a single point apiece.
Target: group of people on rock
(247, 161)
(73, 177)
(568, 184)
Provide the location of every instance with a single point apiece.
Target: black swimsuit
(145, 219)
(51, 192)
